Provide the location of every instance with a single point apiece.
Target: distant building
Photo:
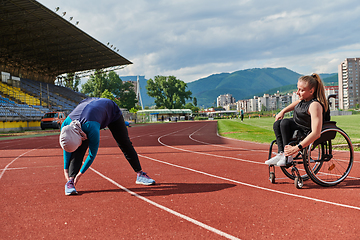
(348, 77)
(334, 103)
(264, 102)
(230, 106)
(224, 100)
(241, 104)
(277, 101)
(253, 104)
(273, 102)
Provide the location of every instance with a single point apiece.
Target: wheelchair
(327, 161)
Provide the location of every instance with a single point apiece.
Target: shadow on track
(165, 189)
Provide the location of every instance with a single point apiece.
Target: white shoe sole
(71, 193)
(147, 184)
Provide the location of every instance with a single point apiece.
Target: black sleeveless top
(302, 116)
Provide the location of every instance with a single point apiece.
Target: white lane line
(202, 153)
(19, 168)
(254, 186)
(191, 220)
(222, 146)
(7, 166)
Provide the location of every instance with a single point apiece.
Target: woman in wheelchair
(310, 111)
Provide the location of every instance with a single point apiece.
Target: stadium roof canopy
(38, 44)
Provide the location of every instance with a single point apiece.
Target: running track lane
(208, 188)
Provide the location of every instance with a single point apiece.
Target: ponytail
(320, 92)
(314, 81)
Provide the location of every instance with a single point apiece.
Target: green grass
(255, 131)
(350, 124)
(260, 129)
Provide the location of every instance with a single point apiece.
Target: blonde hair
(314, 81)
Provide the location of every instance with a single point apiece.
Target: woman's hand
(289, 108)
(279, 116)
(291, 150)
(77, 178)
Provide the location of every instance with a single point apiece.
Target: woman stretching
(81, 131)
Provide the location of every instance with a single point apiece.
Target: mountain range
(242, 84)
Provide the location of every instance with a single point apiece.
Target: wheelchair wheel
(272, 177)
(334, 154)
(288, 172)
(298, 182)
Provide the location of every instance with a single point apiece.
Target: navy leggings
(120, 134)
(284, 130)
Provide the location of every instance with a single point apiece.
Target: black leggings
(120, 134)
(284, 130)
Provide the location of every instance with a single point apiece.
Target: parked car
(52, 120)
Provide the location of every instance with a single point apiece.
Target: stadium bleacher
(11, 111)
(29, 101)
(57, 97)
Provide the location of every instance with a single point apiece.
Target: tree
(195, 101)
(115, 84)
(168, 92)
(96, 84)
(127, 96)
(193, 108)
(188, 106)
(109, 95)
(71, 81)
(100, 82)
(135, 109)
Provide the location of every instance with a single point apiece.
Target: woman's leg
(120, 134)
(77, 159)
(287, 128)
(284, 130)
(278, 136)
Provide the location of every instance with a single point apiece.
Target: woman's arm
(66, 155)
(92, 130)
(289, 108)
(316, 113)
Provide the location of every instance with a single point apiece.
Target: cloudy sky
(191, 39)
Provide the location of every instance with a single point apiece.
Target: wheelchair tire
(272, 177)
(336, 158)
(298, 182)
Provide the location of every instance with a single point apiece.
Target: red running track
(208, 187)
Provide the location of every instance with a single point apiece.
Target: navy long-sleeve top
(93, 114)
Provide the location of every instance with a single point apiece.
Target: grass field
(260, 129)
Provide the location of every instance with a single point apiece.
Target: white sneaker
(284, 161)
(274, 160)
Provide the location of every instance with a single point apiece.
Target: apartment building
(224, 100)
(334, 102)
(348, 77)
(274, 102)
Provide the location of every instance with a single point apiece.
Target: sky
(192, 39)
